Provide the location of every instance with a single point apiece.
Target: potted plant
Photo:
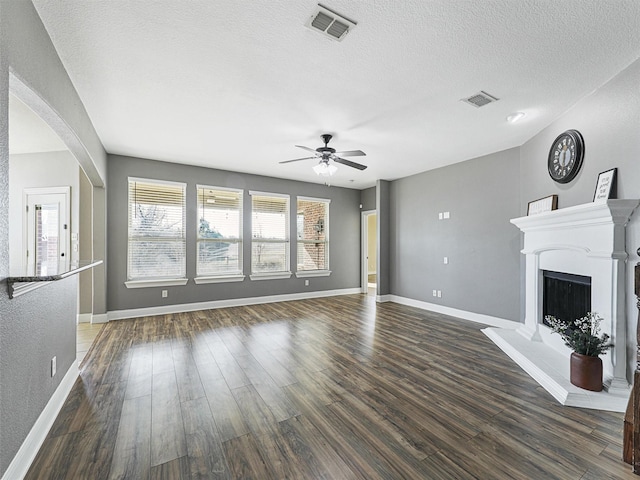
(583, 337)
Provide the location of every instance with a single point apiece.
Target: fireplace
(581, 245)
(565, 296)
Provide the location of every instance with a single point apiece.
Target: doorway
(369, 261)
(47, 215)
(47, 232)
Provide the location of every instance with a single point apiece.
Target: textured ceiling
(28, 133)
(236, 84)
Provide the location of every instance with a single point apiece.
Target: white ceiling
(236, 84)
(28, 133)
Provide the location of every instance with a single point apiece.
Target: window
(313, 236)
(270, 236)
(219, 235)
(157, 243)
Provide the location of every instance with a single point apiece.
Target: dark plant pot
(586, 372)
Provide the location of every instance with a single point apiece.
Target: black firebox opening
(565, 296)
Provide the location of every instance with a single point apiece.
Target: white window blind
(219, 231)
(313, 234)
(270, 233)
(157, 242)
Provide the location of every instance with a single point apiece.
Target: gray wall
(482, 246)
(383, 250)
(485, 270)
(609, 120)
(344, 231)
(99, 237)
(40, 324)
(49, 91)
(85, 280)
(368, 199)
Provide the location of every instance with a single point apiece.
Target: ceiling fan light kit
(325, 169)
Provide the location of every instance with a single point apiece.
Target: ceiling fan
(326, 154)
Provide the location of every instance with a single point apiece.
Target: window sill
(270, 276)
(219, 279)
(313, 273)
(169, 282)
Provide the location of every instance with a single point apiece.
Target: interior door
(369, 239)
(47, 231)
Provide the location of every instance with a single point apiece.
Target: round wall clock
(565, 156)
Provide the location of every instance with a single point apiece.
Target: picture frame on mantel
(542, 205)
(605, 188)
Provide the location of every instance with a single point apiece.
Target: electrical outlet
(54, 366)
(446, 215)
(435, 293)
(439, 293)
(165, 293)
(446, 260)
(306, 283)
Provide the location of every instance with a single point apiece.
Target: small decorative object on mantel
(583, 337)
(545, 204)
(606, 186)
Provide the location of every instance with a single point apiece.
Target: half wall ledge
(19, 285)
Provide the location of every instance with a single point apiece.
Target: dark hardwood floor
(333, 388)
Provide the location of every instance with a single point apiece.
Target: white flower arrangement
(582, 335)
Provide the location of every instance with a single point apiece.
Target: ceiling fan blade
(348, 163)
(352, 153)
(298, 159)
(306, 148)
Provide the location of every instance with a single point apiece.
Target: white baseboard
(100, 318)
(454, 312)
(384, 298)
(83, 318)
(235, 302)
(21, 463)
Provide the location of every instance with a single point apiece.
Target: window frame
(325, 272)
(157, 281)
(287, 242)
(237, 276)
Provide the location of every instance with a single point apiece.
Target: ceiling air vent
(329, 23)
(480, 99)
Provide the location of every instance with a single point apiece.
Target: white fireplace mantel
(586, 240)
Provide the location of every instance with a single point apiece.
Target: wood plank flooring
(334, 388)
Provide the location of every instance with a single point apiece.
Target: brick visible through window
(313, 234)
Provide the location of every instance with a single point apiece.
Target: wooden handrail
(631, 432)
